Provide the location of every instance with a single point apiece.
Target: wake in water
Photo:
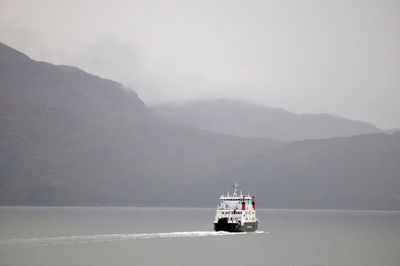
(86, 239)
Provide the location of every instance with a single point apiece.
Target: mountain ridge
(240, 118)
(71, 138)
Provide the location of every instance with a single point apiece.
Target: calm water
(176, 236)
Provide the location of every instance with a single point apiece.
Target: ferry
(236, 213)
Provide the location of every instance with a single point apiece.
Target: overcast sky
(337, 56)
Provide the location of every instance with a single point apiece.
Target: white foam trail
(85, 239)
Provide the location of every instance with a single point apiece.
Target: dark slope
(238, 118)
(68, 137)
(361, 172)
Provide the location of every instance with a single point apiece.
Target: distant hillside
(361, 172)
(71, 138)
(238, 118)
(391, 131)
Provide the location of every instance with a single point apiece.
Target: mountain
(360, 172)
(391, 131)
(243, 119)
(71, 138)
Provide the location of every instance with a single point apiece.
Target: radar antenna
(235, 189)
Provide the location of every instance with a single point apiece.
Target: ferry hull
(223, 225)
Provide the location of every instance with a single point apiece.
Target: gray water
(184, 236)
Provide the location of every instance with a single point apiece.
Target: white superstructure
(236, 212)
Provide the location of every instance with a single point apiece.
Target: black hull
(223, 225)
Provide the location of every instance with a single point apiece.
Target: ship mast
(235, 189)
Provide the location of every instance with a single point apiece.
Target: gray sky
(336, 56)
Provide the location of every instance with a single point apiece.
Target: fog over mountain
(238, 118)
(71, 138)
(336, 56)
(68, 137)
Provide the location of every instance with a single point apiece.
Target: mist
(121, 122)
(338, 57)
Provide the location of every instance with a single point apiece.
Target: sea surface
(184, 236)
